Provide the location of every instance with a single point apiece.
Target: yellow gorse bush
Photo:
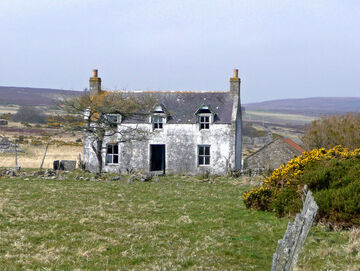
(288, 174)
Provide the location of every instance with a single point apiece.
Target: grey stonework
(181, 135)
(67, 165)
(271, 156)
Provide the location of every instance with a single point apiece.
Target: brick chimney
(235, 84)
(95, 83)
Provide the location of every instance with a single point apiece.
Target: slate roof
(182, 106)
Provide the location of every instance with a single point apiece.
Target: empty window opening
(112, 154)
(204, 122)
(204, 155)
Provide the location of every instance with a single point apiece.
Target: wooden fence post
(288, 248)
(42, 162)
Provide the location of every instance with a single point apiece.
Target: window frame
(113, 123)
(112, 154)
(204, 156)
(204, 124)
(157, 121)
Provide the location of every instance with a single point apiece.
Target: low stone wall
(67, 165)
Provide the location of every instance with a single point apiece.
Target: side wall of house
(181, 150)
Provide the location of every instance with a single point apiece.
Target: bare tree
(98, 114)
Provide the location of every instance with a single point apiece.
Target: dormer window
(157, 122)
(158, 117)
(113, 119)
(205, 117)
(204, 122)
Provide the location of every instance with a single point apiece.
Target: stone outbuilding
(272, 155)
(191, 132)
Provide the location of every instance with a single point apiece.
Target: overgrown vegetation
(330, 131)
(332, 175)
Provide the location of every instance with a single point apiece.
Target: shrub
(332, 175)
(259, 198)
(29, 114)
(340, 206)
(330, 131)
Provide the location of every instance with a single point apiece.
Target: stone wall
(271, 156)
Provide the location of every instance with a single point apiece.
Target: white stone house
(190, 133)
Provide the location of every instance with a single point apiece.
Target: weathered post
(288, 248)
(42, 162)
(17, 168)
(16, 162)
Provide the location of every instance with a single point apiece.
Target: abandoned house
(272, 155)
(190, 133)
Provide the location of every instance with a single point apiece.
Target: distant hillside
(32, 96)
(306, 106)
(309, 106)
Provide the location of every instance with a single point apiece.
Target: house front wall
(181, 150)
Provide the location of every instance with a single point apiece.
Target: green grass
(179, 223)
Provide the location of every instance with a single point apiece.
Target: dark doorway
(157, 158)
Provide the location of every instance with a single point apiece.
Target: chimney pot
(236, 73)
(95, 73)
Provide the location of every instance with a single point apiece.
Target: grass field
(178, 223)
(282, 118)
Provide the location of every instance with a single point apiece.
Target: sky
(283, 49)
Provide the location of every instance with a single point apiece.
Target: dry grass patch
(33, 155)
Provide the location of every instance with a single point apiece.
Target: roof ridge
(292, 144)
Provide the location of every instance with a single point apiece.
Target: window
(204, 155)
(113, 119)
(112, 154)
(157, 122)
(205, 116)
(204, 122)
